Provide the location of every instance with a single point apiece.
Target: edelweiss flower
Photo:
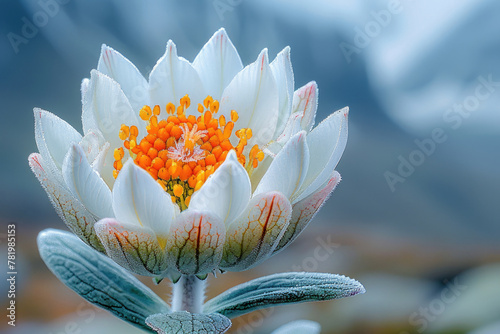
(207, 166)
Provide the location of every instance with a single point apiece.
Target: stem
(188, 294)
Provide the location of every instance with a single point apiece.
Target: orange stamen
(182, 151)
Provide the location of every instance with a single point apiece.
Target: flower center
(182, 151)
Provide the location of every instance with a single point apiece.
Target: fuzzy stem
(188, 294)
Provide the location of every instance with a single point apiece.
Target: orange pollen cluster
(182, 151)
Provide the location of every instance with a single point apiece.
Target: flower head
(207, 165)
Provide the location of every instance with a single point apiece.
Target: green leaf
(185, 322)
(279, 289)
(97, 278)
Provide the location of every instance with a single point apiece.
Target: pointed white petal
(120, 69)
(172, 78)
(292, 128)
(135, 248)
(288, 170)
(92, 144)
(196, 242)
(305, 210)
(260, 171)
(85, 184)
(326, 144)
(53, 138)
(105, 164)
(217, 63)
(106, 108)
(226, 192)
(305, 101)
(72, 212)
(253, 94)
(138, 199)
(84, 88)
(256, 233)
(283, 74)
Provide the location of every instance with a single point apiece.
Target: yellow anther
(170, 108)
(124, 132)
(145, 113)
(132, 143)
(260, 155)
(208, 101)
(178, 190)
(180, 110)
(154, 121)
(248, 133)
(118, 153)
(201, 110)
(198, 185)
(134, 131)
(185, 101)
(234, 116)
(222, 120)
(115, 173)
(156, 110)
(118, 165)
(214, 107)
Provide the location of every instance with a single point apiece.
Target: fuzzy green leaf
(98, 279)
(283, 288)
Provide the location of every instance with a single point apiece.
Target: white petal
(326, 144)
(305, 101)
(253, 94)
(54, 138)
(226, 192)
(283, 74)
(260, 171)
(85, 184)
(120, 69)
(99, 164)
(288, 170)
(79, 220)
(106, 108)
(172, 78)
(217, 63)
(84, 88)
(91, 144)
(255, 234)
(292, 128)
(138, 199)
(135, 248)
(196, 242)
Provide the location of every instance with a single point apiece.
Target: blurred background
(416, 217)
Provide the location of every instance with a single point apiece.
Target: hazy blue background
(404, 75)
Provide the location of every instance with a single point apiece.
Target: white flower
(207, 165)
